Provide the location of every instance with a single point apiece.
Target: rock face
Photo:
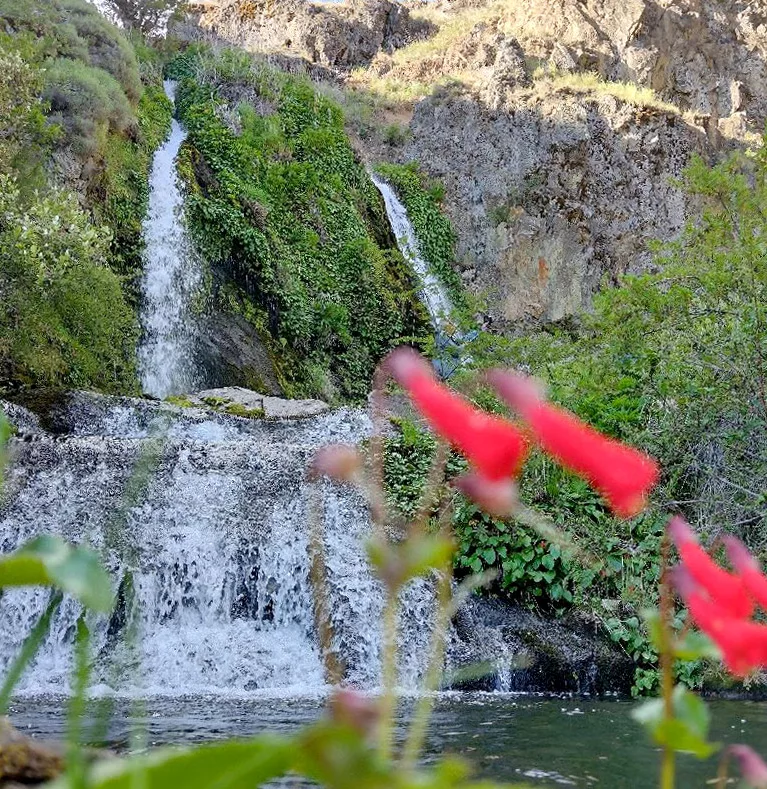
(496, 646)
(555, 175)
(704, 55)
(552, 190)
(346, 35)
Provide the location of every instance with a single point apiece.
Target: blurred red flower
(721, 603)
(623, 475)
(494, 446)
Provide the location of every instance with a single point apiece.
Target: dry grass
(590, 82)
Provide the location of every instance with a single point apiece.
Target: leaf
(5, 434)
(28, 651)
(50, 561)
(229, 765)
(687, 731)
(695, 646)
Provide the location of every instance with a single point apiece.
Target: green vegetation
(234, 409)
(281, 207)
(72, 106)
(436, 238)
(63, 319)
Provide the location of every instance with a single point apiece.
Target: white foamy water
(433, 294)
(217, 550)
(172, 275)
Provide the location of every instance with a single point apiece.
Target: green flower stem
(423, 710)
(668, 764)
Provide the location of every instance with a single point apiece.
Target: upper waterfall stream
(433, 294)
(172, 274)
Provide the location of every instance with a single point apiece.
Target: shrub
(63, 320)
(75, 29)
(87, 103)
(22, 120)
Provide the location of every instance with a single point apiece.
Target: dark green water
(543, 741)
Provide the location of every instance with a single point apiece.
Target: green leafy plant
(281, 207)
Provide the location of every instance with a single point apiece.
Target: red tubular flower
(743, 643)
(493, 445)
(747, 568)
(620, 473)
(728, 591)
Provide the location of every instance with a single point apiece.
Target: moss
(238, 409)
(180, 401)
(119, 194)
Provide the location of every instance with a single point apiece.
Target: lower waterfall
(216, 547)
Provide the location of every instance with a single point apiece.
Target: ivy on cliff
(279, 203)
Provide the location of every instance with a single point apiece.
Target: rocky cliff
(346, 35)
(557, 128)
(553, 190)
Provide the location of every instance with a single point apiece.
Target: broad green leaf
(686, 731)
(50, 561)
(229, 765)
(415, 556)
(695, 646)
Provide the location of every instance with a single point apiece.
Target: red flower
(492, 444)
(747, 568)
(728, 591)
(720, 603)
(620, 473)
(743, 643)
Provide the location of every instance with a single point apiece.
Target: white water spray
(172, 275)
(433, 294)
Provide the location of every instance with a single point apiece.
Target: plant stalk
(668, 765)
(388, 677)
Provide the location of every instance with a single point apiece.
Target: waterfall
(433, 293)
(172, 275)
(216, 547)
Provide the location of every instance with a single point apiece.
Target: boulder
(237, 401)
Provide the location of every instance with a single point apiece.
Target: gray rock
(345, 35)
(499, 646)
(238, 401)
(554, 190)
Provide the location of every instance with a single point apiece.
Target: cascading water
(172, 274)
(433, 293)
(216, 549)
